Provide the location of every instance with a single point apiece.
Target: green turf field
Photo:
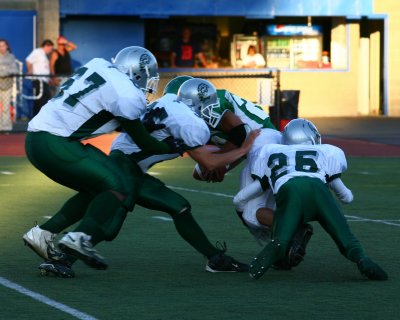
(153, 274)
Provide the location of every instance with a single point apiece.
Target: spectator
(38, 63)
(186, 52)
(60, 59)
(8, 66)
(253, 59)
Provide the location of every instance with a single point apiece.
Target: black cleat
(58, 269)
(371, 270)
(223, 263)
(297, 250)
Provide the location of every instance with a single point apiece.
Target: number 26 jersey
(280, 163)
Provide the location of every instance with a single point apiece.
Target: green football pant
(305, 199)
(153, 194)
(89, 171)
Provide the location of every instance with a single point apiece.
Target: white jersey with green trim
(251, 114)
(180, 123)
(280, 163)
(89, 102)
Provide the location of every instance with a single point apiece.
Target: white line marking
(43, 299)
(356, 218)
(162, 218)
(200, 191)
(373, 220)
(7, 172)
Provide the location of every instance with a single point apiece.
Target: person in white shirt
(37, 63)
(253, 59)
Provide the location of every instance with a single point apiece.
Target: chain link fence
(262, 88)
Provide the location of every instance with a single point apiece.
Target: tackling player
(231, 118)
(100, 97)
(169, 119)
(301, 173)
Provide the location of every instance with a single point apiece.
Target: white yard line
(354, 218)
(43, 299)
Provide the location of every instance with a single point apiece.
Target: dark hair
(6, 42)
(47, 42)
(252, 47)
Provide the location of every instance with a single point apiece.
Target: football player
(100, 97)
(301, 173)
(169, 119)
(231, 118)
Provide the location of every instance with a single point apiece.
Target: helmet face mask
(301, 131)
(201, 96)
(141, 67)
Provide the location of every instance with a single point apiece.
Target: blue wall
(17, 28)
(101, 37)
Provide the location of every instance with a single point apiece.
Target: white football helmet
(300, 131)
(201, 96)
(141, 67)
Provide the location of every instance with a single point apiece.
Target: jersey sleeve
(193, 131)
(224, 102)
(337, 163)
(130, 103)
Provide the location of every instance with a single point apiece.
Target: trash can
(288, 108)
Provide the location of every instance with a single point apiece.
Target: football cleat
(264, 260)
(220, 262)
(297, 250)
(60, 269)
(78, 245)
(371, 270)
(41, 242)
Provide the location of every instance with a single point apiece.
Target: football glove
(176, 145)
(150, 117)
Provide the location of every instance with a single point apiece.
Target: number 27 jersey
(280, 163)
(90, 103)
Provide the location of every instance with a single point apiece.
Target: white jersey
(280, 163)
(180, 123)
(90, 102)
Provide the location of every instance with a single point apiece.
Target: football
(199, 173)
(203, 174)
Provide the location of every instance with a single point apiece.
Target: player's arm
(237, 133)
(211, 161)
(249, 192)
(342, 192)
(53, 58)
(145, 141)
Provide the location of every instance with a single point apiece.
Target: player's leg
(88, 170)
(287, 219)
(333, 221)
(107, 212)
(155, 195)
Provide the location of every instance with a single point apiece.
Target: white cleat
(78, 244)
(41, 242)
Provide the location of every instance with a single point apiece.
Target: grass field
(153, 274)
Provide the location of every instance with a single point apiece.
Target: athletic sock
(71, 212)
(189, 230)
(101, 211)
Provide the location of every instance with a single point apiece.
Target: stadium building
(341, 55)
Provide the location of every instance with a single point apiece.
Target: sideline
(43, 299)
(353, 218)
